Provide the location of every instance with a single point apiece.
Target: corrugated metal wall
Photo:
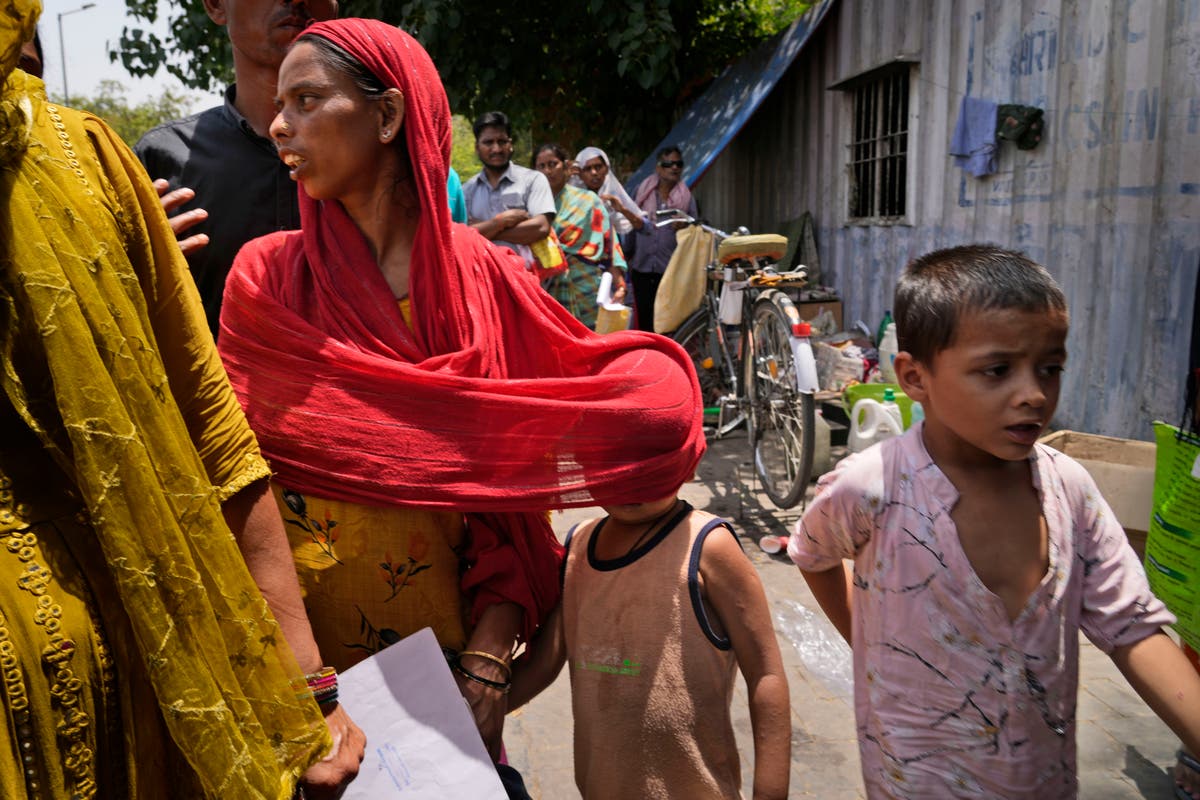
(1109, 202)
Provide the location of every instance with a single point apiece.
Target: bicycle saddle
(762, 245)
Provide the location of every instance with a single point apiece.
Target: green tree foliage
(462, 148)
(131, 121)
(609, 72)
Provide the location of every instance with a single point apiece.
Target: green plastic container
(874, 391)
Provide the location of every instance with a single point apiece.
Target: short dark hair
(663, 152)
(936, 289)
(492, 119)
(557, 149)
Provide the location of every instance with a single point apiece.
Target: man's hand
(328, 778)
(181, 223)
(510, 217)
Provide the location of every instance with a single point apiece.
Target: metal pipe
(62, 48)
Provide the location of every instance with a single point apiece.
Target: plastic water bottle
(870, 423)
(888, 348)
(892, 407)
(883, 323)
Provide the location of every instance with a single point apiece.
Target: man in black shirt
(227, 180)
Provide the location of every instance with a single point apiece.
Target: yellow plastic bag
(548, 257)
(683, 283)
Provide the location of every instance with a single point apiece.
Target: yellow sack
(612, 318)
(683, 283)
(548, 257)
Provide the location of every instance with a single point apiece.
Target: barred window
(878, 150)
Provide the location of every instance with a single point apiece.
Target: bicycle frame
(767, 375)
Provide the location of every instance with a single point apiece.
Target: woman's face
(553, 168)
(594, 172)
(334, 139)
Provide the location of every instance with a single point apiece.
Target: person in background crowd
(421, 400)
(32, 59)
(221, 161)
(592, 170)
(655, 245)
(458, 201)
(145, 589)
(507, 203)
(585, 233)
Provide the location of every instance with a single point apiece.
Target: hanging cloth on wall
(973, 143)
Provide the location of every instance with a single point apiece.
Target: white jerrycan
(870, 422)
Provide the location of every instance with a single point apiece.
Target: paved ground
(1124, 750)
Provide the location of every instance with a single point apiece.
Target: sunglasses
(669, 164)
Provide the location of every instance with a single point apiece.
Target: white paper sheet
(421, 738)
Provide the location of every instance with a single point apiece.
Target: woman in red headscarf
(421, 400)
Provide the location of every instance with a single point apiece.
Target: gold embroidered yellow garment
(137, 657)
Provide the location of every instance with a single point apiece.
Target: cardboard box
(810, 308)
(1124, 471)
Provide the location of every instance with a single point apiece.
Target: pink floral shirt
(952, 698)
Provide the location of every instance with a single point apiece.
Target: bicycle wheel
(781, 418)
(698, 336)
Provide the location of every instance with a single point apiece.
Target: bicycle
(767, 375)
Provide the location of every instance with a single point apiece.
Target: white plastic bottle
(892, 407)
(888, 348)
(870, 423)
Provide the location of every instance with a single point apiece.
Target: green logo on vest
(624, 666)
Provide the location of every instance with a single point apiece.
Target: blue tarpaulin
(719, 114)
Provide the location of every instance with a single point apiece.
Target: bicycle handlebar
(675, 215)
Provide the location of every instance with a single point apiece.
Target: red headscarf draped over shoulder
(495, 400)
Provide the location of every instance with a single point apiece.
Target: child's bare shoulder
(721, 548)
(698, 519)
(583, 526)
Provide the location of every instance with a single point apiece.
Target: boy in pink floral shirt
(979, 554)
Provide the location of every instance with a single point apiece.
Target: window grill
(878, 151)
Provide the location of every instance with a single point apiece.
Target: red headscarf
(495, 400)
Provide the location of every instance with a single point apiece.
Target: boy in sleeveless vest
(660, 604)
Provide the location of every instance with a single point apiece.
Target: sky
(88, 35)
